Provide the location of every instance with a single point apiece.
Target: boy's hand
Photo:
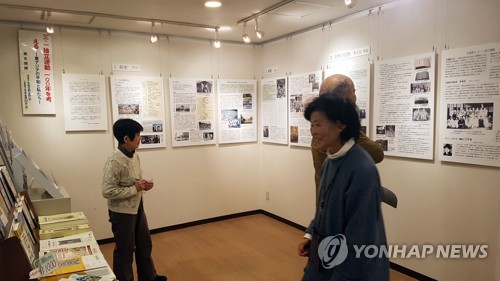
(148, 184)
(140, 184)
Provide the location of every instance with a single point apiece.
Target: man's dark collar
(129, 154)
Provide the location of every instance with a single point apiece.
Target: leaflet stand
(5, 146)
(49, 199)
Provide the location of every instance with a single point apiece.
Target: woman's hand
(304, 247)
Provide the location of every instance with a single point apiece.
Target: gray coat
(348, 204)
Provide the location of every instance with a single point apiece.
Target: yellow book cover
(80, 263)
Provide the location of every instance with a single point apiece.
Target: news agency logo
(333, 251)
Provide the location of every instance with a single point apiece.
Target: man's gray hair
(341, 88)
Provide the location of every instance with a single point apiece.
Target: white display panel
(470, 93)
(302, 89)
(404, 106)
(192, 110)
(141, 98)
(274, 97)
(237, 110)
(84, 102)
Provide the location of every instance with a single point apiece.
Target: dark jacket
(349, 204)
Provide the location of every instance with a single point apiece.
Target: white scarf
(342, 151)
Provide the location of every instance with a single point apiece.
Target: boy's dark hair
(337, 108)
(126, 127)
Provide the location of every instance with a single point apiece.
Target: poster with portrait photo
(237, 110)
(141, 98)
(468, 124)
(192, 111)
(404, 96)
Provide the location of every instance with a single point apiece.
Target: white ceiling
(292, 17)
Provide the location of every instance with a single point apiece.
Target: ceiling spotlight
(217, 43)
(246, 38)
(213, 4)
(259, 33)
(350, 3)
(50, 29)
(154, 38)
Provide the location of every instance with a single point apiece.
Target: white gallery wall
(192, 183)
(439, 202)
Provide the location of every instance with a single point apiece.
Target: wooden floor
(250, 248)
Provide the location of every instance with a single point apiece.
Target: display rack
(5, 152)
(48, 198)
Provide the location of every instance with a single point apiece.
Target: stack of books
(61, 225)
(78, 253)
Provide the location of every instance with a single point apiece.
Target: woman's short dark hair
(126, 127)
(337, 108)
